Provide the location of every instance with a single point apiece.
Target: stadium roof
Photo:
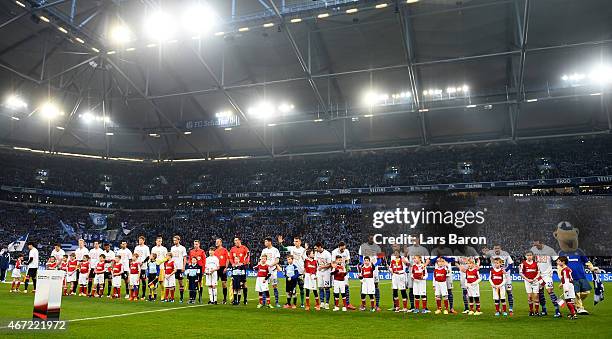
(358, 75)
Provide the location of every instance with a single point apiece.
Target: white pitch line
(135, 313)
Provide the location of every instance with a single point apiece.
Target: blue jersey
(576, 264)
(152, 267)
(291, 271)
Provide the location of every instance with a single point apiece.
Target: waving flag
(99, 220)
(17, 245)
(68, 229)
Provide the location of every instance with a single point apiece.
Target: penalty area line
(135, 313)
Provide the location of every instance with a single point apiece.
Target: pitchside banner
(469, 225)
(48, 297)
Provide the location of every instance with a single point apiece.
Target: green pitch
(123, 319)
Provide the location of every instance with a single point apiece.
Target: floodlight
(120, 34)
(14, 102)
(15, 118)
(243, 29)
(370, 98)
(465, 88)
(44, 18)
(383, 5)
(564, 77)
(130, 49)
(351, 11)
(79, 40)
(62, 29)
(20, 4)
(49, 110)
(296, 20)
(323, 15)
(110, 134)
(451, 90)
(159, 26)
(95, 50)
(87, 117)
(411, 1)
(286, 108)
(262, 110)
(199, 19)
(601, 74)
(269, 24)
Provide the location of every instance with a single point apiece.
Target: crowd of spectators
(559, 158)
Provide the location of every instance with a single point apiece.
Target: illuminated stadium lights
(532, 100)
(368, 115)
(95, 50)
(219, 33)
(318, 120)
(295, 20)
(286, 108)
(60, 128)
(49, 110)
(601, 74)
(372, 98)
(262, 110)
(44, 18)
(14, 102)
(154, 135)
(151, 45)
(411, 1)
(62, 29)
(323, 15)
(451, 90)
(269, 24)
(159, 26)
(20, 4)
(199, 19)
(383, 5)
(227, 129)
(15, 118)
(352, 10)
(422, 110)
(470, 106)
(271, 125)
(109, 134)
(111, 52)
(79, 40)
(89, 117)
(187, 132)
(120, 34)
(243, 29)
(130, 49)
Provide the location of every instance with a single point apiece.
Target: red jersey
(566, 275)
(472, 275)
(440, 273)
(200, 256)
(367, 271)
(135, 267)
(262, 270)
(310, 266)
(51, 265)
(72, 266)
(419, 272)
(497, 276)
(84, 268)
(100, 267)
(169, 267)
(239, 255)
(339, 273)
(117, 268)
(18, 264)
(223, 256)
(529, 270)
(397, 266)
(63, 266)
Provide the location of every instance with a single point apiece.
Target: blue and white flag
(599, 288)
(127, 229)
(69, 247)
(99, 220)
(69, 230)
(17, 245)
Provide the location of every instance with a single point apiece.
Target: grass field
(120, 318)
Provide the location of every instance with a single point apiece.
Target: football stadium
(305, 168)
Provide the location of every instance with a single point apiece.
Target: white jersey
(212, 264)
(160, 252)
(126, 255)
(33, 258)
(58, 255)
(80, 253)
(143, 254)
(544, 258)
(273, 256)
(110, 255)
(299, 255)
(324, 258)
(346, 256)
(178, 254)
(94, 257)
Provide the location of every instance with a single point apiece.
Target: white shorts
(367, 286)
(310, 281)
(169, 281)
(273, 279)
(339, 286)
(83, 279)
(532, 287)
(376, 277)
(211, 279)
(409, 281)
(568, 291)
(499, 292)
(440, 288)
(16, 273)
(398, 281)
(70, 278)
(419, 287)
(548, 280)
(261, 284)
(134, 279)
(473, 290)
(99, 279)
(324, 279)
(117, 281)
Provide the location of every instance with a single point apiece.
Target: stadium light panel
(286, 108)
(271, 125)
(187, 132)
(49, 110)
(532, 100)
(151, 45)
(219, 33)
(199, 19)
(159, 26)
(263, 110)
(465, 88)
(95, 50)
(62, 29)
(470, 106)
(154, 135)
(60, 128)
(111, 52)
(451, 90)
(383, 5)
(109, 133)
(120, 34)
(87, 117)
(14, 102)
(318, 120)
(20, 4)
(44, 18)
(130, 49)
(565, 77)
(296, 20)
(411, 1)
(368, 115)
(15, 118)
(601, 74)
(269, 24)
(352, 10)
(323, 15)
(243, 29)
(79, 40)
(227, 129)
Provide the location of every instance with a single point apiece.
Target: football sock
(438, 303)
(554, 300)
(496, 305)
(347, 293)
(371, 301)
(542, 299)
(570, 306)
(301, 285)
(411, 296)
(510, 300)
(260, 298)
(377, 295)
(276, 295)
(200, 293)
(181, 291)
(465, 298)
(424, 300)
(327, 295)
(224, 293)
(503, 303)
(363, 300)
(477, 304)
(450, 298)
(446, 304)
(322, 293)
(244, 292)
